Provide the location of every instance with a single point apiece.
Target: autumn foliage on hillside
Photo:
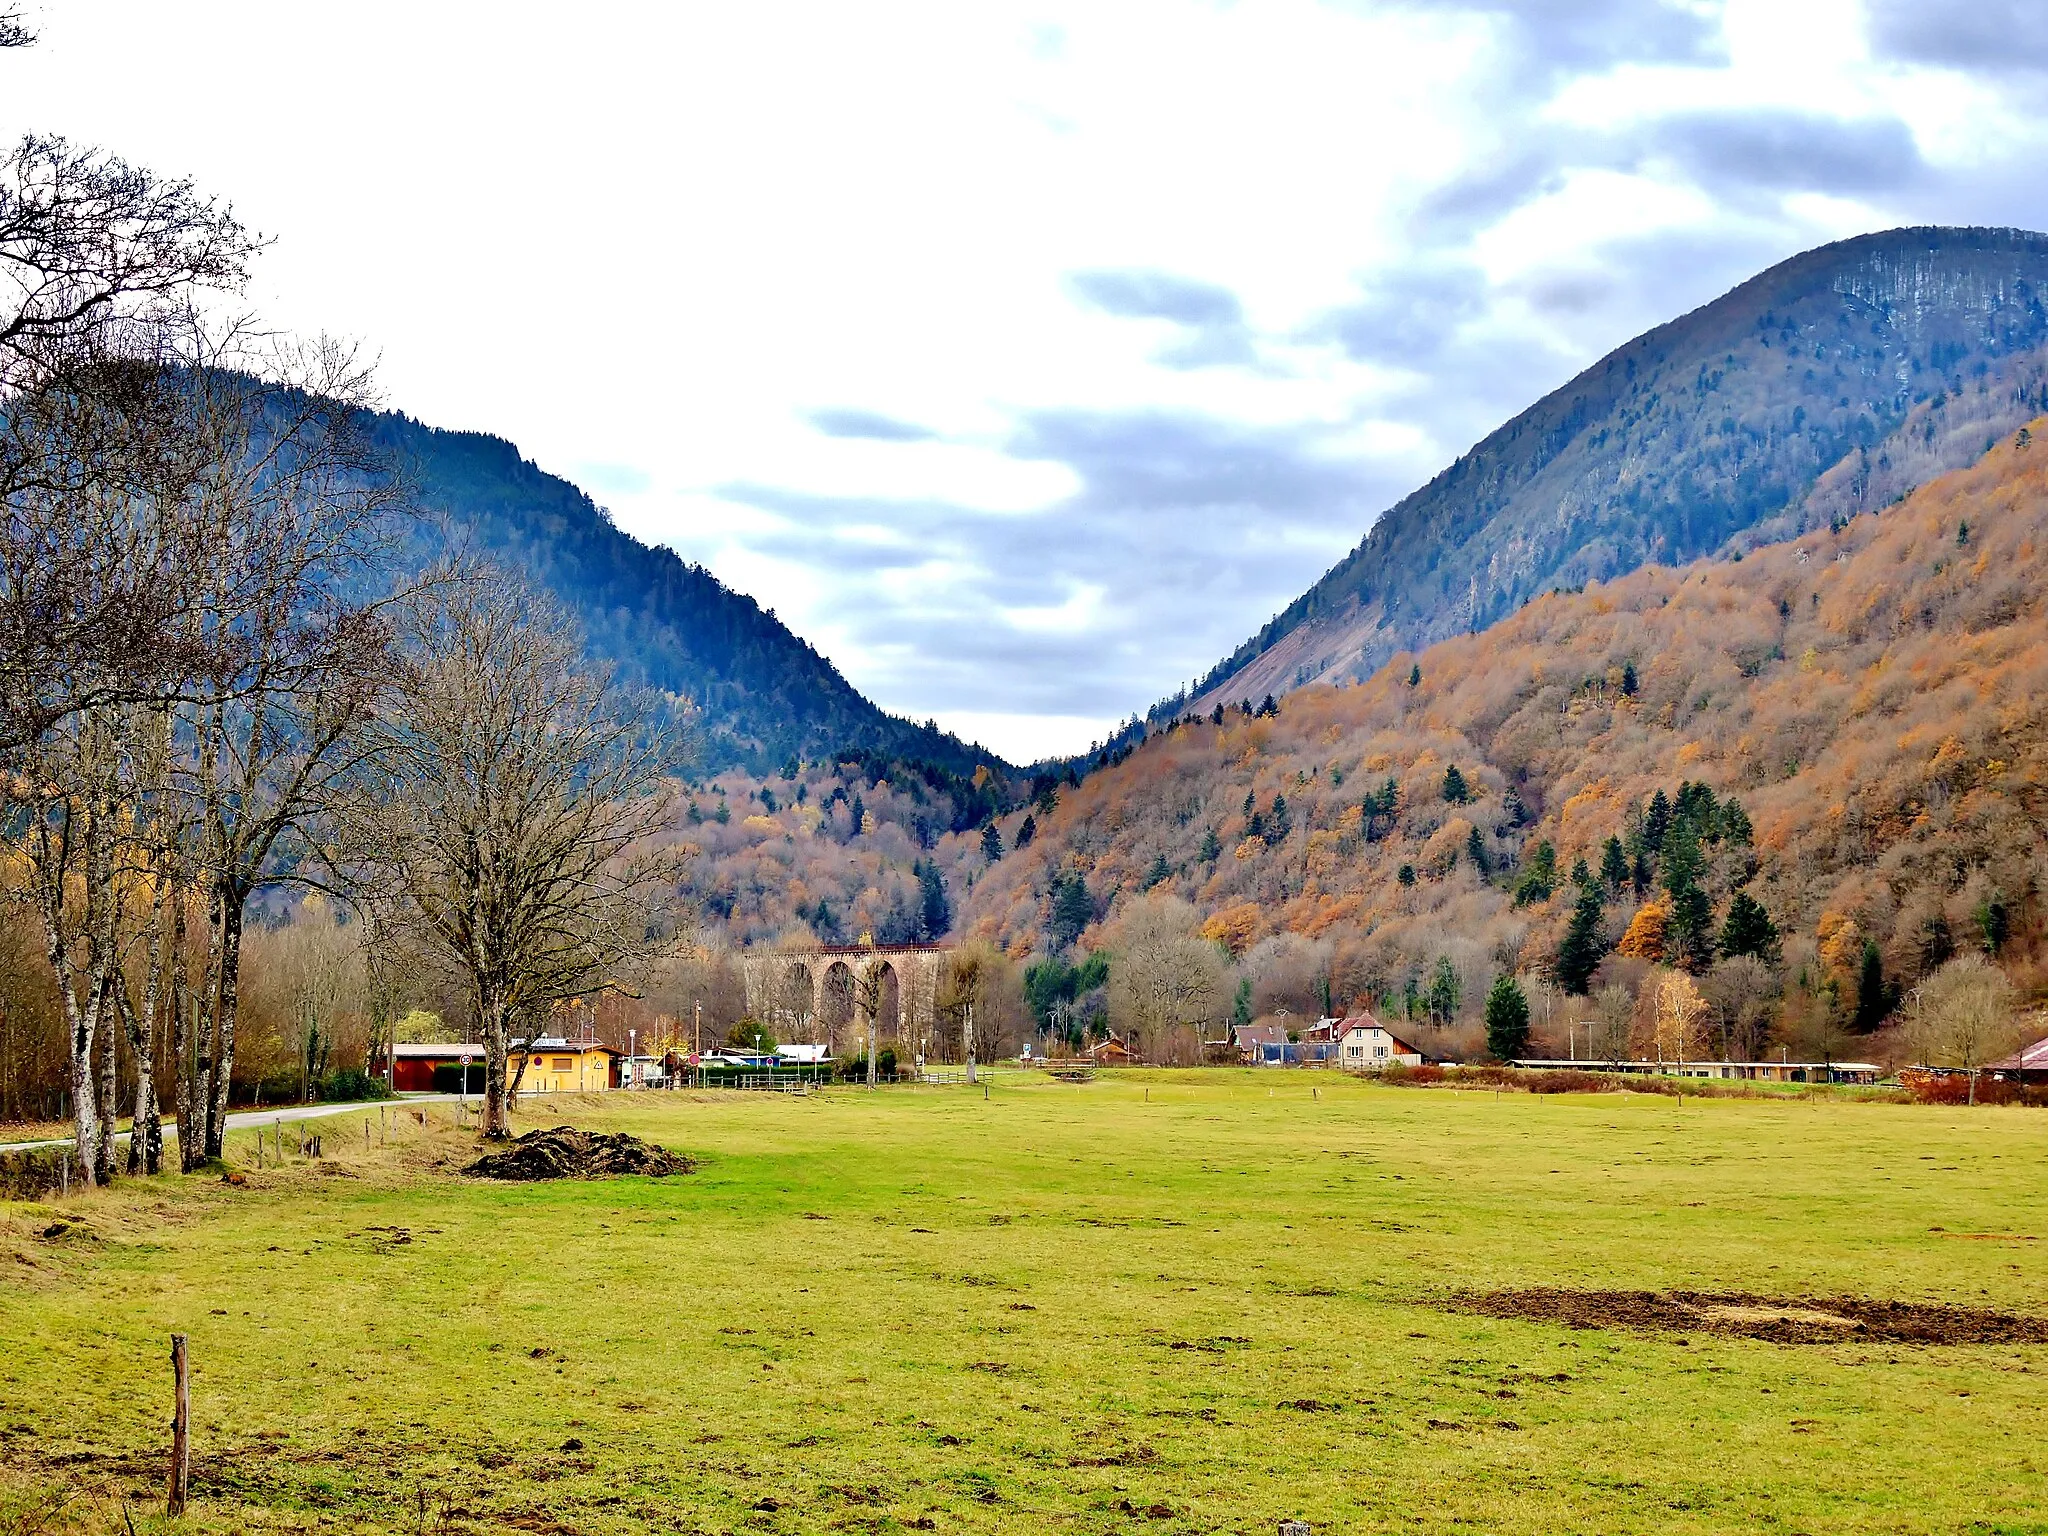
(1870, 699)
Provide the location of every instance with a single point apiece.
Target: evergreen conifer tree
(1444, 995)
(1583, 946)
(991, 843)
(1475, 850)
(1072, 909)
(935, 911)
(1875, 997)
(1614, 870)
(1656, 822)
(1212, 846)
(1456, 790)
(1735, 827)
(1748, 929)
(1027, 829)
(1507, 1020)
(1278, 824)
(1539, 875)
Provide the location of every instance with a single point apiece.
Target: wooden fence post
(181, 1430)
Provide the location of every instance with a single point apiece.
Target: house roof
(436, 1050)
(2032, 1058)
(1258, 1034)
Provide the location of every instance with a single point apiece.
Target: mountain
(1829, 384)
(765, 696)
(1872, 697)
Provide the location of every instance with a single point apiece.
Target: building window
(563, 1063)
(1379, 1050)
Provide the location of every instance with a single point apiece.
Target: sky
(1025, 358)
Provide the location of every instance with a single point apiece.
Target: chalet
(1367, 1045)
(1111, 1052)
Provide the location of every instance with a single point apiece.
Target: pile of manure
(567, 1153)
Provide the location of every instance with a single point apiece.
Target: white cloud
(792, 284)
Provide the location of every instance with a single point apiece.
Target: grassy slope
(715, 1346)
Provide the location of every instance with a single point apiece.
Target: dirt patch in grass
(1776, 1319)
(567, 1153)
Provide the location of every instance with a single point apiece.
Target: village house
(560, 1066)
(1367, 1045)
(431, 1067)
(1260, 1045)
(557, 1066)
(2029, 1065)
(1111, 1052)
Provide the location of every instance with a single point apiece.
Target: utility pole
(967, 1021)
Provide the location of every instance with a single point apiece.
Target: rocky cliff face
(1828, 385)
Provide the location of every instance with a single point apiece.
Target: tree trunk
(85, 1120)
(191, 1141)
(497, 1113)
(228, 971)
(145, 1132)
(110, 1041)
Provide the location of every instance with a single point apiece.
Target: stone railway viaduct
(827, 993)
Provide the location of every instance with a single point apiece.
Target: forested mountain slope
(765, 694)
(1872, 700)
(1828, 385)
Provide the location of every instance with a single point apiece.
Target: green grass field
(1057, 1308)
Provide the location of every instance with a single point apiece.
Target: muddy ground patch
(1744, 1314)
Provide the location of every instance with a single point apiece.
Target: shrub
(351, 1085)
(448, 1078)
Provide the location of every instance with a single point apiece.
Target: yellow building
(560, 1066)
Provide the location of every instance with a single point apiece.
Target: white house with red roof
(1367, 1045)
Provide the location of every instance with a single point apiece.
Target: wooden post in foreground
(181, 1430)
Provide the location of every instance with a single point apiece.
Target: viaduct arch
(828, 993)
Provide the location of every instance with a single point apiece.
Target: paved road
(244, 1119)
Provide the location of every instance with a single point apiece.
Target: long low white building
(1749, 1071)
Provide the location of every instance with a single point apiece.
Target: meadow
(1199, 1302)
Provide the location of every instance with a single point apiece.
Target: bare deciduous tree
(1163, 976)
(1964, 1015)
(1741, 990)
(293, 504)
(502, 804)
(99, 266)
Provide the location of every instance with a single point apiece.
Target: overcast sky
(1025, 358)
